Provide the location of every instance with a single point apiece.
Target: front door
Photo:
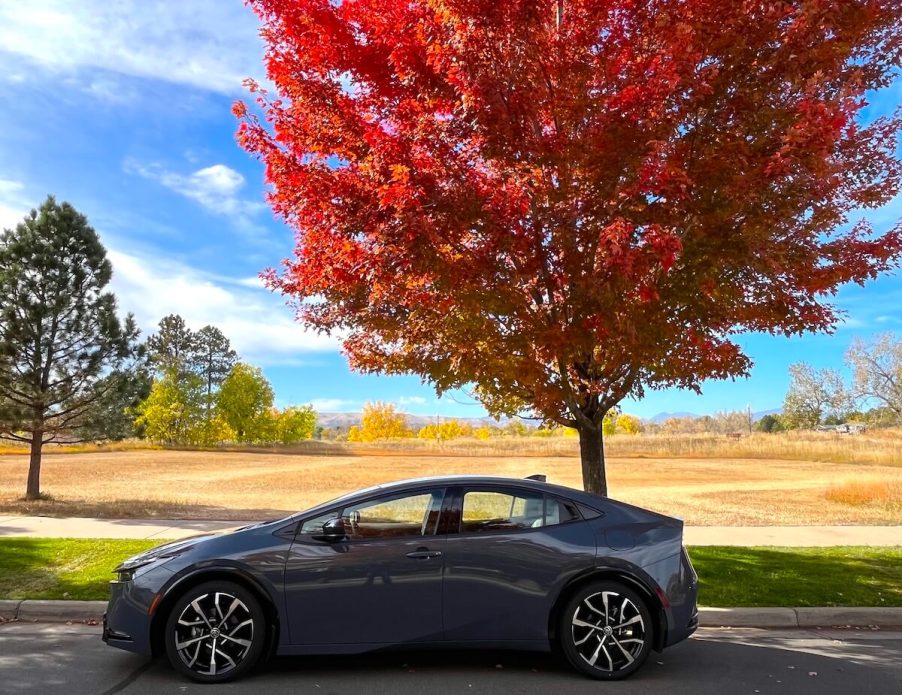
(382, 585)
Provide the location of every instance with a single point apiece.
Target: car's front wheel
(215, 632)
(605, 631)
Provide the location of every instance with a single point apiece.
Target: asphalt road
(71, 659)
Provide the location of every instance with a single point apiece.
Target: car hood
(170, 549)
(203, 543)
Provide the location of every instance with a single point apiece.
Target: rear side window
(506, 511)
(560, 511)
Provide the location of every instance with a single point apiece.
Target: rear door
(508, 553)
(382, 585)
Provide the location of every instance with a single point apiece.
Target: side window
(501, 511)
(315, 525)
(560, 511)
(392, 517)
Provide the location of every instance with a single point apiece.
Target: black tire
(605, 631)
(230, 620)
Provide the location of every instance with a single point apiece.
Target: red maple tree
(563, 203)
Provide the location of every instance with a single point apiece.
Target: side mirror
(333, 531)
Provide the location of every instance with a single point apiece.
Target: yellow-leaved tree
(450, 429)
(380, 421)
(628, 424)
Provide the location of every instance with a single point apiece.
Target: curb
(88, 611)
(52, 611)
(800, 617)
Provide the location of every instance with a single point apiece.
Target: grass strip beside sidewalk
(62, 568)
(732, 576)
(80, 569)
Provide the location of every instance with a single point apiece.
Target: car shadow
(419, 660)
(716, 662)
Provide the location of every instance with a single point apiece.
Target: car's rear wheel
(215, 632)
(606, 631)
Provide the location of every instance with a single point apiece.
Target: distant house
(844, 428)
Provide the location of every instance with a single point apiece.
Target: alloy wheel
(608, 631)
(214, 633)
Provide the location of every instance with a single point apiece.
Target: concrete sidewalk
(795, 536)
(77, 527)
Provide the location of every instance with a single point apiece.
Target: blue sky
(123, 109)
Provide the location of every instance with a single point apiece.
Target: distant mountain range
(661, 417)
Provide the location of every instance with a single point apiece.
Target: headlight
(128, 569)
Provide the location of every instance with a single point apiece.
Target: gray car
(462, 561)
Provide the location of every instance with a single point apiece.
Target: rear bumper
(684, 603)
(681, 630)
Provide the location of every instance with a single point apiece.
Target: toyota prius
(462, 561)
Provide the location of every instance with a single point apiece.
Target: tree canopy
(173, 412)
(565, 203)
(813, 395)
(245, 403)
(877, 372)
(173, 347)
(380, 421)
(204, 396)
(206, 352)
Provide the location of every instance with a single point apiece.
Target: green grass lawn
(769, 576)
(72, 568)
(53, 568)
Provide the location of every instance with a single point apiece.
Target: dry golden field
(253, 484)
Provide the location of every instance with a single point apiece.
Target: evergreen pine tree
(60, 336)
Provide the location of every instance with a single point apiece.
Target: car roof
(602, 504)
(538, 485)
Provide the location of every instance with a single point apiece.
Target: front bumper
(110, 636)
(126, 623)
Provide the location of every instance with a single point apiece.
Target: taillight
(686, 565)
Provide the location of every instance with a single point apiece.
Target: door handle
(424, 554)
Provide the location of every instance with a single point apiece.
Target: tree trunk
(591, 451)
(33, 490)
(209, 392)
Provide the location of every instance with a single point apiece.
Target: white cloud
(216, 188)
(412, 400)
(211, 44)
(109, 90)
(13, 203)
(260, 327)
(255, 281)
(849, 322)
(331, 405)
